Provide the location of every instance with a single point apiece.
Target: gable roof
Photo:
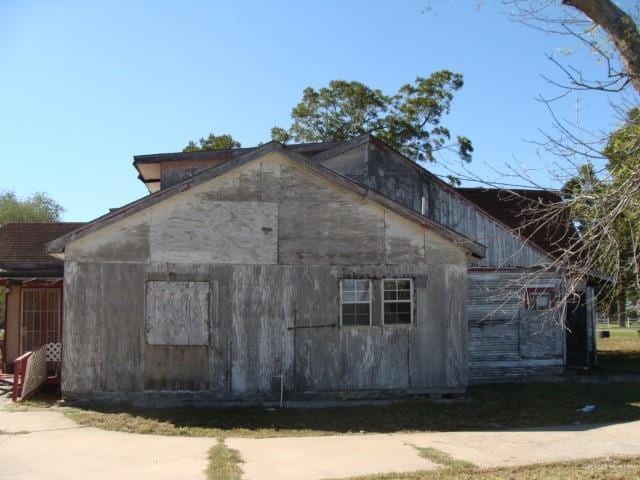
(520, 209)
(149, 166)
(24, 244)
(471, 246)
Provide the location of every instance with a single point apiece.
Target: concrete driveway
(315, 458)
(45, 445)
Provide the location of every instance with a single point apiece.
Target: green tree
(212, 142)
(38, 207)
(606, 209)
(623, 152)
(410, 120)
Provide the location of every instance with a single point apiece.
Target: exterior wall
(385, 171)
(175, 172)
(12, 330)
(507, 342)
(272, 241)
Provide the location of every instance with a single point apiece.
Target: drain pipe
(281, 388)
(281, 377)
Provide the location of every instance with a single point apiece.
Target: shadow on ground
(485, 408)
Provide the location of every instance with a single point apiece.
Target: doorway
(40, 318)
(577, 351)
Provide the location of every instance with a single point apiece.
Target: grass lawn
(609, 468)
(487, 407)
(621, 350)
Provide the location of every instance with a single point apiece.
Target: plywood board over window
(177, 313)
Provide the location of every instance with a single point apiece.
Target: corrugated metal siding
(504, 344)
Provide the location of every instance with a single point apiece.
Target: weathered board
(507, 342)
(272, 242)
(386, 171)
(177, 313)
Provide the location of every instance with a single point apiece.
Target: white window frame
(410, 302)
(370, 302)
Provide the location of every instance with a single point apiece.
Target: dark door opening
(577, 351)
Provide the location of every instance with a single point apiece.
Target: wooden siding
(507, 342)
(283, 240)
(388, 173)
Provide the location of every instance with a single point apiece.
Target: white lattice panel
(53, 351)
(36, 372)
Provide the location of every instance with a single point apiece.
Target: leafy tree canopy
(212, 142)
(606, 207)
(39, 207)
(410, 121)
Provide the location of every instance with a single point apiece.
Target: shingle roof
(521, 210)
(26, 242)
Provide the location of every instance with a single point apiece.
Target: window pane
(397, 301)
(542, 301)
(355, 314)
(355, 285)
(356, 297)
(390, 295)
(362, 296)
(348, 285)
(349, 309)
(389, 284)
(348, 296)
(404, 295)
(403, 307)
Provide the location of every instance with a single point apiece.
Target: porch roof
(30, 281)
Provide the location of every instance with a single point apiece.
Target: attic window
(355, 302)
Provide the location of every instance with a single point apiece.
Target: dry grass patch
(224, 463)
(443, 459)
(607, 468)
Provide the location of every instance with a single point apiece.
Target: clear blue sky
(85, 85)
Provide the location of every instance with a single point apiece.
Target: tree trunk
(620, 27)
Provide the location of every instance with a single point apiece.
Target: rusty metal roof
(523, 211)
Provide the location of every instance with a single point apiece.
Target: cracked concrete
(315, 458)
(45, 444)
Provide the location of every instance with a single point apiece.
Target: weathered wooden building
(267, 274)
(316, 270)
